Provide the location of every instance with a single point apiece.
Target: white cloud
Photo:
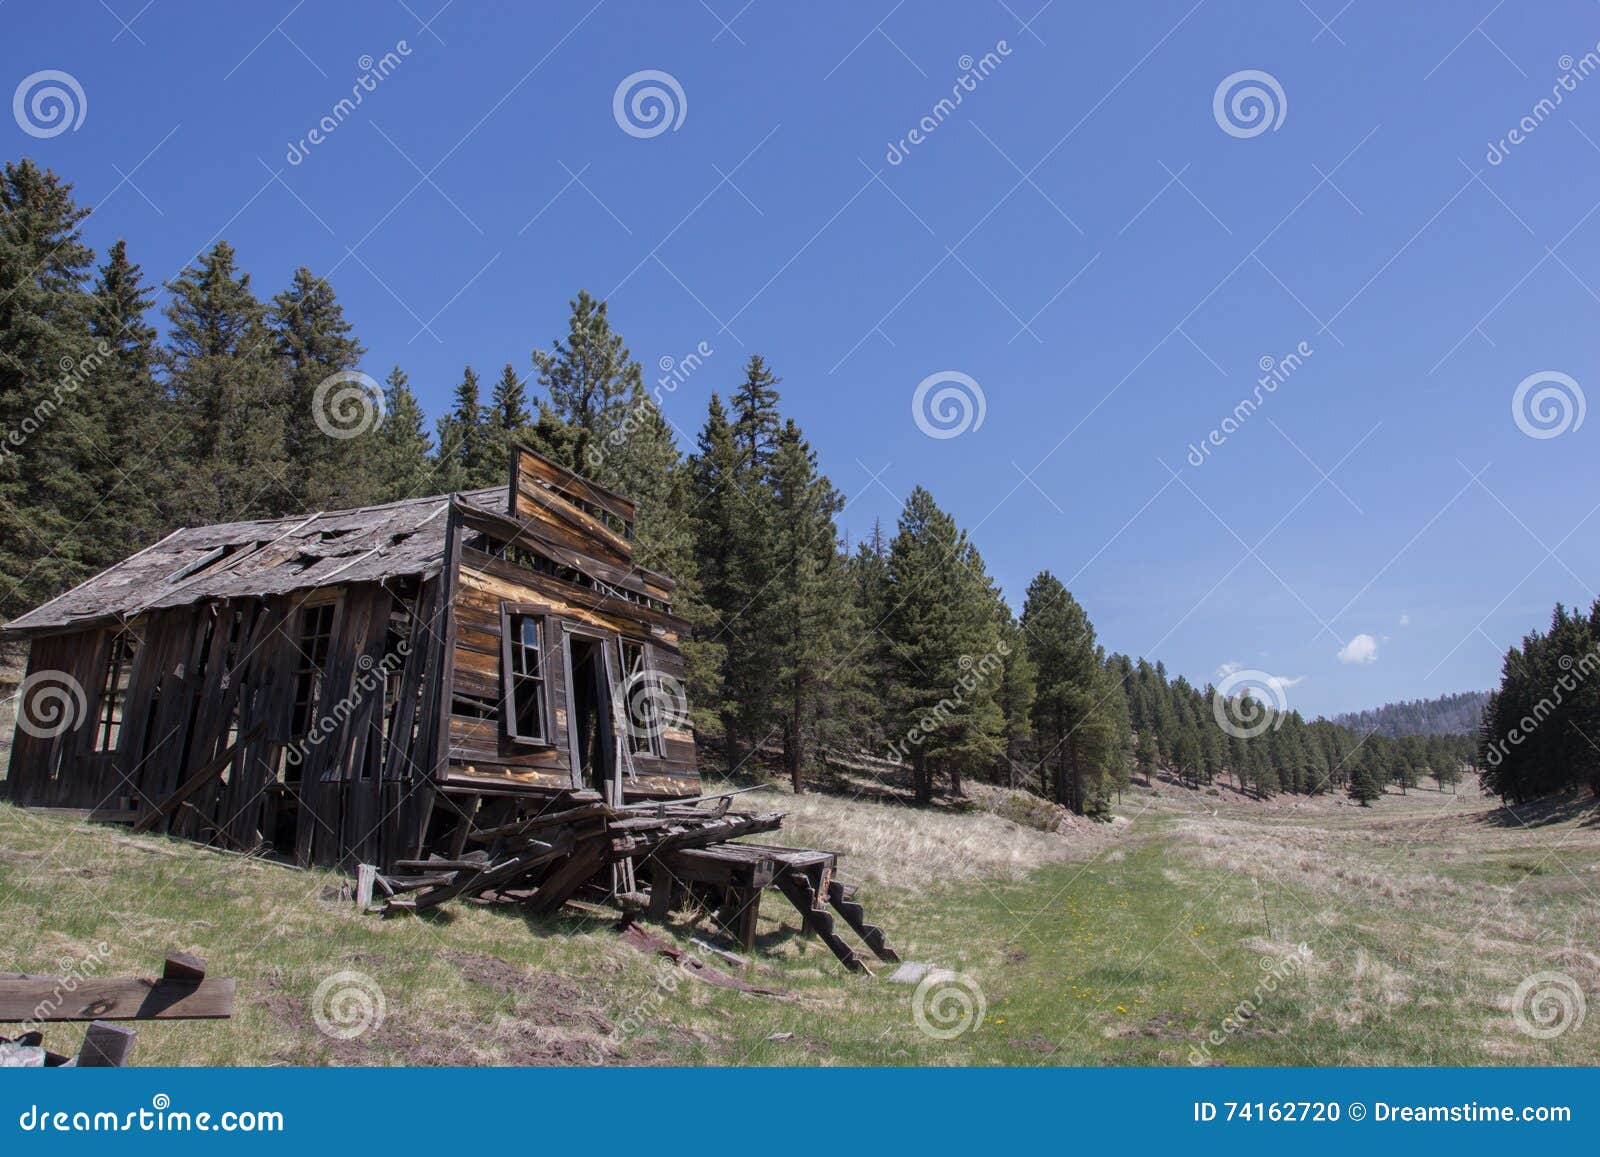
(1278, 683)
(1362, 650)
(1405, 620)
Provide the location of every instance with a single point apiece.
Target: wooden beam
(46, 998)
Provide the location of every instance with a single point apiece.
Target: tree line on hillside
(800, 648)
(1457, 714)
(1541, 726)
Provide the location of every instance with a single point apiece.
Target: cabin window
(316, 632)
(113, 692)
(523, 672)
(643, 709)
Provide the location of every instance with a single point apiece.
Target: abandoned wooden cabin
(341, 686)
(468, 694)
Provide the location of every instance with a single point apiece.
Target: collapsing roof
(265, 557)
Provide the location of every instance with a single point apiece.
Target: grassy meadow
(1197, 928)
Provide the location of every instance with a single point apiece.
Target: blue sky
(1082, 237)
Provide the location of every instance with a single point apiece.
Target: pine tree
(128, 476)
(755, 409)
(507, 420)
(944, 646)
(1077, 718)
(313, 341)
(807, 609)
(463, 456)
(404, 467)
(44, 334)
(229, 394)
(589, 377)
(1364, 786)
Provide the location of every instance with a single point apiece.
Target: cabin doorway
(592, 735)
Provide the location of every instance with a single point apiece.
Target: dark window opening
(316, 632)
(114, 692)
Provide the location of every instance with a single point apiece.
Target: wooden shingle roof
(264, 557)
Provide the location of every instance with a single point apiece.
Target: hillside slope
(1447, 715)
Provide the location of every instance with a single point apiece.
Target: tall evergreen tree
(507, 420)
(44, 334)
(404, 467)
(1077, 719)
(464, 461)
(313, 342)
(229, 394)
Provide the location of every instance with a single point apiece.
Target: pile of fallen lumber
(181, 992)
(642, 856)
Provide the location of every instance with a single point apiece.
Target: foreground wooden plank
(47, 998)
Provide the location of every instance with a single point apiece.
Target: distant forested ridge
(1458, 714)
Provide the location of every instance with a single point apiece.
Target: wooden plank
(45, 998)
(189, 786)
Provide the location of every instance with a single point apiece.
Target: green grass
(1159, 940)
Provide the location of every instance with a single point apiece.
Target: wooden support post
(105, 1046)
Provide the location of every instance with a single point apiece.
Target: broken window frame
(516, 682)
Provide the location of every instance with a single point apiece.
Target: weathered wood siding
(480, 750)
